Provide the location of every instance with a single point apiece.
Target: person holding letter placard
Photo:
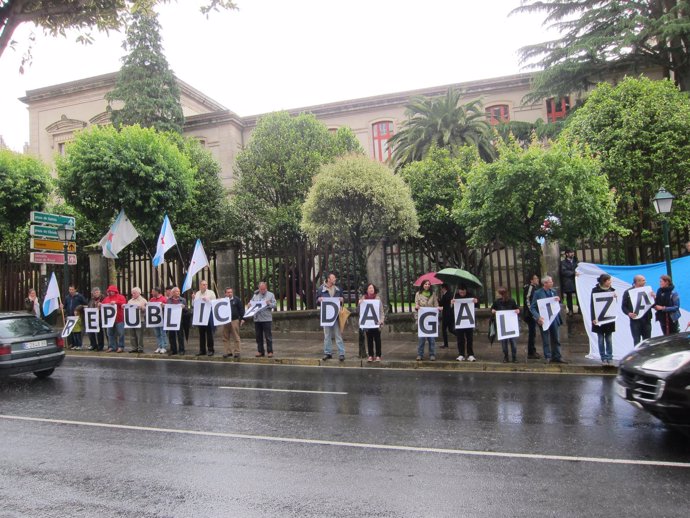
(639, 310)
(447, 315)
(426, 298)
(96, 339)
(373, 333)
(505, 303)
(116, 334)
(332, 332)
(176, 338)
(161, 338)
(137, 333)
(206, 345)
(549, 336)
(464, 335)
(667, 306)
(232, 329)
(263, 320)
(604, 330)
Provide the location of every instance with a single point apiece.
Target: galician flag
(166, 240)
(121, 233)
(51, 302)
(199, 262)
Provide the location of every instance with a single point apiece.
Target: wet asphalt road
(140, 438)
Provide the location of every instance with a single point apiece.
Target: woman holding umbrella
(426, 298)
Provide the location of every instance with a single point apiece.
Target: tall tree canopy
(604, 38)
(275, 171)
(56, 17)
(442, 122)
(145, 85)
(640, 130)
(510, 199)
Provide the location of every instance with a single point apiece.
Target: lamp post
(65, 234)
(663, 203)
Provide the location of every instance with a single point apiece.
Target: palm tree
(444, 122)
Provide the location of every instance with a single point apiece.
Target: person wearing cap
(567, 271)
(116, 334)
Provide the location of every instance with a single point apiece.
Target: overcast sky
(278, 54)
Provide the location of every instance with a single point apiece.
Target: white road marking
(286, 390)
(393, 447)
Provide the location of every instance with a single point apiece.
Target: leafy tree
(275, 171)
(553, 192)
(25, 185)
(640, 130)
(56, 17)
(443, 122)
(145, 85)
(605, 38)
(137, 169)
(355, 202)
(435, 182)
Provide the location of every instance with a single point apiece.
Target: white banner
(605, 308)
(173, 317)
(641, 300)
(254, 308)
(369, 314)
(330, 308)
(108, 314)
(464, 313)
(69, 326)
(507, 324)
(91, 321)
(154, 314)
(202, 312)
(427, 323)
(222, 311)
(132, 316)
(549, 309)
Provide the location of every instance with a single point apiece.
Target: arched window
(498, 113)
(557, 109)
(381, 133)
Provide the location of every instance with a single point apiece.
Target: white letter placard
(330, 308)
(427, 323)
(369, 314)
(154, 314)
(172, 317)
(132, 316)
(69, 326)
(108, 314)
(464, 313)
(549, 308)
(202, 312)
(604, 309)
(641, 301)
(91, 321)
(222, 311)
(254, 307)
(507, 324)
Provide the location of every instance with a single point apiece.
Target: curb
(441, 366)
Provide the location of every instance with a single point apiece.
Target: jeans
(504, 346)
(551, 341)
(161, 337)
(263, 329)
(640, 329)
(329, 333)
(116, 336)
(432, 346)
(605, 346)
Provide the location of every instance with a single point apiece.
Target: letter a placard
(369, 314)
(464, 313)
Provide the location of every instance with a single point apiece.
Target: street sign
(51, 219)
(52, 258)
(45, 244)
(46, 232)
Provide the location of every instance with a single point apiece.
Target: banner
(370, 314)
(132, 316)
(173, 317)
(154, 314)
(330, 308)
(222, 311)
(464, 313)
(507, 324)
(92, 323)
(622, 277)
(108, 314)
(254, 308)
(604, 307)
(69, 326)
(549, 309)
(427, 323)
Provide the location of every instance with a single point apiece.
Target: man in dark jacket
(550, 339)
(640, 327)
(233, 328)
(567, 270)
(73, 300)
(447, 315)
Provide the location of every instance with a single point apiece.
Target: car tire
(44, 374)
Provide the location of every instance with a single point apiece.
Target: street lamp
(65, 234)
(663, 203)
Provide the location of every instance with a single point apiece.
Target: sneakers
(327, 356)
(533, 356)
(377, 359)
(370, 359)
(432, 358)
(341, 358)
(419, 358)
(461, 358)
(471, 359)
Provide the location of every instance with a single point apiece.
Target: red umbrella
(429, 276)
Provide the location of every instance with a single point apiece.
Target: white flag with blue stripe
(52, 300)
(199, 261)
(166, 240)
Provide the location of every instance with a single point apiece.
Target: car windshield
(23, 327)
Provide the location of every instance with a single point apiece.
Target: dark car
(656, 377)
(28, 344)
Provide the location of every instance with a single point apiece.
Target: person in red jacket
(116, 334)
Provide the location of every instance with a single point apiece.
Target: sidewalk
(399, 352)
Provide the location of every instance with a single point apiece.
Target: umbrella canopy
(457, 276)
(429, 276)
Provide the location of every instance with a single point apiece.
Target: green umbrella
(458, 276)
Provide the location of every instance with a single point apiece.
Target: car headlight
(668, 363)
